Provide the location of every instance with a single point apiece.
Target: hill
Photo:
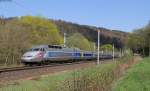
(90, 32)
(107, 36)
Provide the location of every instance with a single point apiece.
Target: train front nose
(32, 57)
(28, 57)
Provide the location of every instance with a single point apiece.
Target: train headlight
(40, 55)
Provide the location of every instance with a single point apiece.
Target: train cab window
(42, 49)
(36, 49)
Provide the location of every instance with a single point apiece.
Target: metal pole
(120, 52)
(94, 47)
(113, 52)
(98, 46)
(64, 39)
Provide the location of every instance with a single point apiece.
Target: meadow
(135, 79)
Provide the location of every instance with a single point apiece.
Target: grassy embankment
(136, 79)
(98, 78)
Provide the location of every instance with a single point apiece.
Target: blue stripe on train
(77, 54)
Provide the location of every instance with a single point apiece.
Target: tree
(42, 30)
(79, 41)
(140, 40)
(106, 47)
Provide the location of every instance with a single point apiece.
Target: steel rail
(42, 66)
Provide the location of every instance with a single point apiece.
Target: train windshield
(34, 49)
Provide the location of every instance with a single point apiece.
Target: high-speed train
(44, 54)
(49, 53)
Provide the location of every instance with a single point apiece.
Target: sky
(124, 15)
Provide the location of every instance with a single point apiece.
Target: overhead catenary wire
(2, 8)
(23, 7)
(5, 0)
(19, 5)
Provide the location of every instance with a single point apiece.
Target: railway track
(2, 70)
(42, 66)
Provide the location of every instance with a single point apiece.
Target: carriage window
(53, 46)
(77, 54)
(87, 54)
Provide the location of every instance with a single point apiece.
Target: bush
(93, 79)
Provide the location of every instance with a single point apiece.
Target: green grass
(59, 82)
(135, 79)
(91, 79)
(48, 83)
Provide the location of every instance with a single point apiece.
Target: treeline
(139, 40)
(115, 37)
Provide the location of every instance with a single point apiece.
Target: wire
(18, 4)
(5, 0)
(22, 6)
(3, 10)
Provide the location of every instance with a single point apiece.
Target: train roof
(49, 46)
(58, 48)
(55, 47)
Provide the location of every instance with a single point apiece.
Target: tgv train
(49, 53)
